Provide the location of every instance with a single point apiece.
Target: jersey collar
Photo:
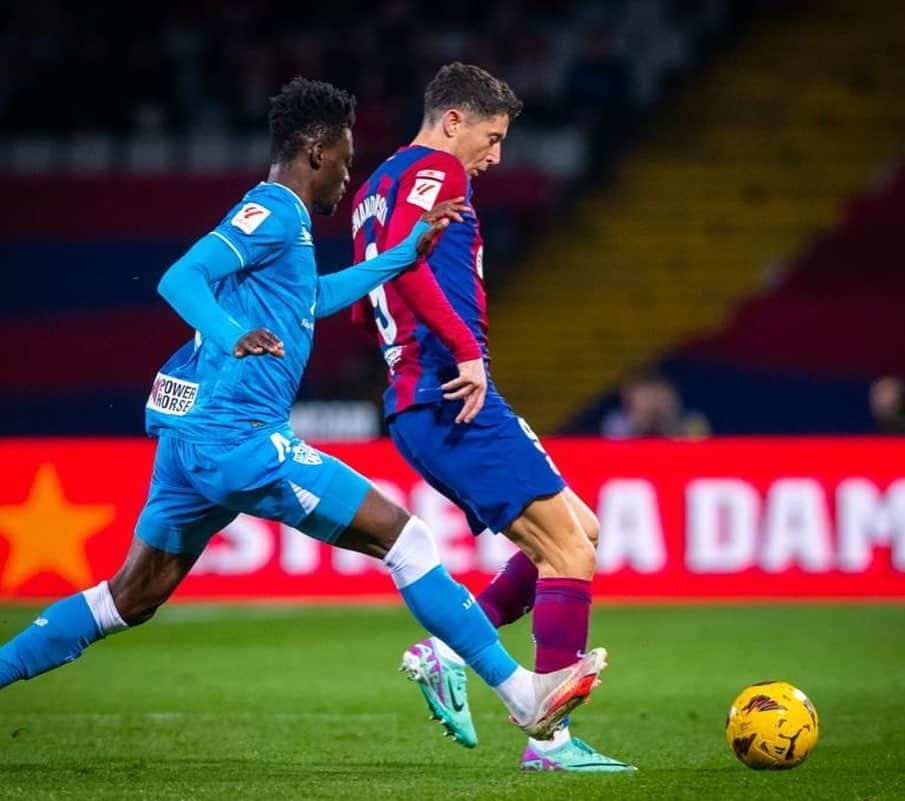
(294, 197)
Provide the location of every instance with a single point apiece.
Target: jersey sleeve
(186, 286)
(343, 288)
(425, 184)
(256, 232)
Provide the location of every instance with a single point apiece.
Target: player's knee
(591, 526)
(414, 553)
(587, 558)
(376, 526)
(570, 553)
(388, 523)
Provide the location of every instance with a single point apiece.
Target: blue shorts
(492, 468)
(197, 489)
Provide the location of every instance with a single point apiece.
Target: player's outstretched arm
(341, 289)
(186, 286)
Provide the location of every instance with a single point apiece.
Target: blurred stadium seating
(153, 132)
(672, 154)
(747, 165)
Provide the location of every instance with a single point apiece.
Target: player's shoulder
(438, 165)
(268, 207)
(433, 176)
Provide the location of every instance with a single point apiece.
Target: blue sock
(59, 635)
(448, 610)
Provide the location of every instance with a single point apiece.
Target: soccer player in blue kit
(449, 421)
(220, 408)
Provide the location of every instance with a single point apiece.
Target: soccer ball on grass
(772, 726)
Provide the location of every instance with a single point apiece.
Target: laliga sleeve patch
(438, 174)
(424, 193)
(249, 217)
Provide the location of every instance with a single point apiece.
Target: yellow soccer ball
(772, 726)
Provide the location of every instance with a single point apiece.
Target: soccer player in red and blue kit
(447, 418)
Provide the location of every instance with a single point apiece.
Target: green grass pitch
(290, 702)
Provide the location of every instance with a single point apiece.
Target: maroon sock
(511, 593)
(562, 608)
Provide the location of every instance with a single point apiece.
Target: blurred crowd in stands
(887, 405)
(650, 406)
(83, 86)
(182, 66)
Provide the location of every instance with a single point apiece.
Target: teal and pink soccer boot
(572, 755)
(442, 682)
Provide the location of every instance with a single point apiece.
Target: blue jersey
(204, 394)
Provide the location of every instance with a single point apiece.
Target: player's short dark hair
(306, 109)
(470, 88)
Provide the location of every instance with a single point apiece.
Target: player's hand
(439, 217)
(471, 385)
(257, 343)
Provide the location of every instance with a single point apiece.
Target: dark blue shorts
(492, 468)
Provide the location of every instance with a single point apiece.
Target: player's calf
(62, 631)
(146, 580)
(59, 634)
(588, 521)
(552, 536)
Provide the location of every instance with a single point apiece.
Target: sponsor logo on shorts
(249, 217)
(172, 395)
(305, 454)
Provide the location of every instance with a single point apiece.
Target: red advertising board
(721, 518)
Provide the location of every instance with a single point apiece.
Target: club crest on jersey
(171, 395)
(424, 192)
(249, 217)
(392, 355)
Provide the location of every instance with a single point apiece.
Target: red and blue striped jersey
(435, 314)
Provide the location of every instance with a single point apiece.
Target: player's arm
(186, 286)
(341, 289)
(419, 289)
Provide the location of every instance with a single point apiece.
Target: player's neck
(434, 140)
(286, 175)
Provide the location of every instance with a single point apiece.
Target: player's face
(480, 141)
(332, 179)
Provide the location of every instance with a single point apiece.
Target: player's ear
(452, 122)
(316, 154)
